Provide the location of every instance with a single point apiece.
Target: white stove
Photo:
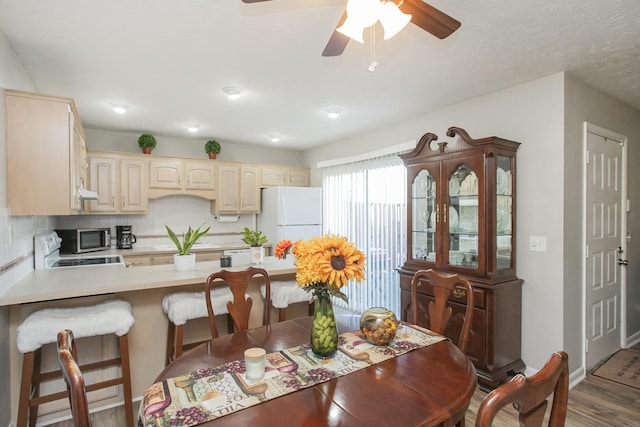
(46, 253)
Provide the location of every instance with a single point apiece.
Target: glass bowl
(378, 325)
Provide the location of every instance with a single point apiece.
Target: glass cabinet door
(504, 213)
(423, 202)
(462, 212)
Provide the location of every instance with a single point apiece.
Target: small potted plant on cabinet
(183, 260)
(147, 142)
(255, 239)
(212, 147)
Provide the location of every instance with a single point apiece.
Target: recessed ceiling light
(193, 128)
(274, 138)
(232, 92)
(334, 113)
(119, 108)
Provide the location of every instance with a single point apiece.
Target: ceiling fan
(423, 15)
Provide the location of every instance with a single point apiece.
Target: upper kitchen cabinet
(121, 183)
(239, 189)
(274, 175)
(171, 176)
(461, 219)
(46, 155)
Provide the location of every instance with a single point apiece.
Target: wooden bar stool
(42, 327)
(284, 293)
(181, 307)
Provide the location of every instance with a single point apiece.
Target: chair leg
(282, 314)
(35, 387)
(179, 340)
(126, 379)
(25, 388)
(171, 342)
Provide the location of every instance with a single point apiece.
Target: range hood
(87, 195)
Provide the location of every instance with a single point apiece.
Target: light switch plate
(538, 243)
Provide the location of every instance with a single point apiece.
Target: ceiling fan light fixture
(360, 15)
(393, 20)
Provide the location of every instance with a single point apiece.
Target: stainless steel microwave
(77, 241)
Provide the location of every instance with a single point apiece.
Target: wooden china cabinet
(461, 219)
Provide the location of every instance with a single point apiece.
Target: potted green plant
(184, 260)
(212, 147)
(255, 239)
(147, 142)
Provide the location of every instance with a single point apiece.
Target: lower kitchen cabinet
(137, 260)
(160, 259)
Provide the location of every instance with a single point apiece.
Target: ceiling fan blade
(430, 19)
(338, 41)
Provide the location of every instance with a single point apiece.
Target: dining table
(427, 386)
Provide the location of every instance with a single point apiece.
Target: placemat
(211, 393)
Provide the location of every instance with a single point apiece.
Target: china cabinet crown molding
(461, 202)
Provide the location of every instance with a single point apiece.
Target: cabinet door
(77, 163)
(463, 213)
(165, 174)
(228, 181)
(133, 185)
(273, 176)
(298, 177)
(249, 189)
(200, 175)
(424, 213)
(137, 260)
(103, 180)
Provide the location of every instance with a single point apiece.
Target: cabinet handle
(459, 293)
(437, 214)
(113, 202)
(444, 217)
(122, 202)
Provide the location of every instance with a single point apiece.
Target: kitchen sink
(195, 246)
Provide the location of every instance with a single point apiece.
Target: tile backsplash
(178, 212)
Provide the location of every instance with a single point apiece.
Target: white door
(603, 238)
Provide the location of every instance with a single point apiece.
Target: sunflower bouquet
(325, 264)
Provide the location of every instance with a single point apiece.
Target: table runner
(210, 393)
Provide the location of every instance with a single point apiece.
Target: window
(365, 202)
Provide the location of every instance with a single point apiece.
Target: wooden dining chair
(529, 395)
(239, 307)
(73, 378)
(438, 314)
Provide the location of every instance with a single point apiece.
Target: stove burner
(76, 262)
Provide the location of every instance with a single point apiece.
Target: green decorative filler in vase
(324, 265)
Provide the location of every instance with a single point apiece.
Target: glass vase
(324, 333)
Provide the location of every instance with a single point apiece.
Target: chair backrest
(73, 378)
(239, 308)
(438, 312)
(529, 395)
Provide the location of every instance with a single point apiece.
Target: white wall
(547, 183)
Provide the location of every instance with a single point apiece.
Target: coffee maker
(125, 238)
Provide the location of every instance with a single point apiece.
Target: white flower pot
(257, 254)
(184, 262)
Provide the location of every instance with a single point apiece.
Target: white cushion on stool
(183, 306)
(285, 293)
(42, 327)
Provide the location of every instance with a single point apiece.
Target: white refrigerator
(292, 213)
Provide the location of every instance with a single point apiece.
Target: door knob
(623, 262)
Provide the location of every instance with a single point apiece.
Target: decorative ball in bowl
(378, 325)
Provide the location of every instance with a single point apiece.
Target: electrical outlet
(538, 243)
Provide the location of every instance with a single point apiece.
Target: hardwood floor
(595, 402)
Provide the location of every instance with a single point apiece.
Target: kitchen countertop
(53, 284)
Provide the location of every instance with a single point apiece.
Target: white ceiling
(168, 60)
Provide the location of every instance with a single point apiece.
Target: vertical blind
(365, 202)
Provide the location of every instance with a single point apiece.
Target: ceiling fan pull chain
(373, 64)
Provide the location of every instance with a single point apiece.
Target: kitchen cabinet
(120, 182)
(46, 155)
(171, 176)
(137, 260)
(239, 189)
(165, 258)
(461, 219)
(273, 175)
